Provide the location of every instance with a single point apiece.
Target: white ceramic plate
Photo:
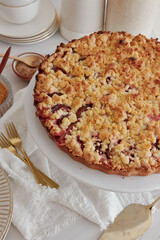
(6, 204)
(77, 170)
(42, 22)
(52, 26)
(36, 38)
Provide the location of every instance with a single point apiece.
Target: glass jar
(81, 17)
(132, 16)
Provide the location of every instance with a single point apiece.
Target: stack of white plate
(42, 27)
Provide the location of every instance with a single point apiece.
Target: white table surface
(83, 229)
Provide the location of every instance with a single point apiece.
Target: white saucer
(43, 20)
(36, 38)
(31, 41)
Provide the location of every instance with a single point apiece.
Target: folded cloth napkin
(40, 212)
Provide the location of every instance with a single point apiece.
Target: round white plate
(43, 20)
(6, 204)
(36, 38)
(52, 26)
(78, 170)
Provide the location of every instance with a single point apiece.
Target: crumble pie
(99, 99)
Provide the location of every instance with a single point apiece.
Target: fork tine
(7, 130)
(15, 130)
(11, 130)
(5, 140)
(2, 144)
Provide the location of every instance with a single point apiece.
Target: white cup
(132, 16)
(15, 3)
(81, 17)
(19, 12)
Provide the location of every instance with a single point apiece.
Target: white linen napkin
(40, 212)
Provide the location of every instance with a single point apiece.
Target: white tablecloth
(82, 229)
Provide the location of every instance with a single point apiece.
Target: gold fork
(42, 178)
(16, 142)
(4, 143)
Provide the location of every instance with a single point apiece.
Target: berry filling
(108, 79)
(107, 153)
(154, 117)
(59, 120)
(80, 142)
(70, 127)
(51, 94)
(98, 146)
(156, 144)
(37, 100)
(55, 69)
(59, 137)
(121, 41)
(60, 106)
(83, 109)
(81, 59)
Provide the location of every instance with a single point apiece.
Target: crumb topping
(3, 93)
(100, 97)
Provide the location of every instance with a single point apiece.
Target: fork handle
(37, 176)
(48, 180)
(45, 178)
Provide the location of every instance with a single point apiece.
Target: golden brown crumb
(3, 93)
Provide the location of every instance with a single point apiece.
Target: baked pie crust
(99, 99)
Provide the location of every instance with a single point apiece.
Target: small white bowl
(20, 14)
